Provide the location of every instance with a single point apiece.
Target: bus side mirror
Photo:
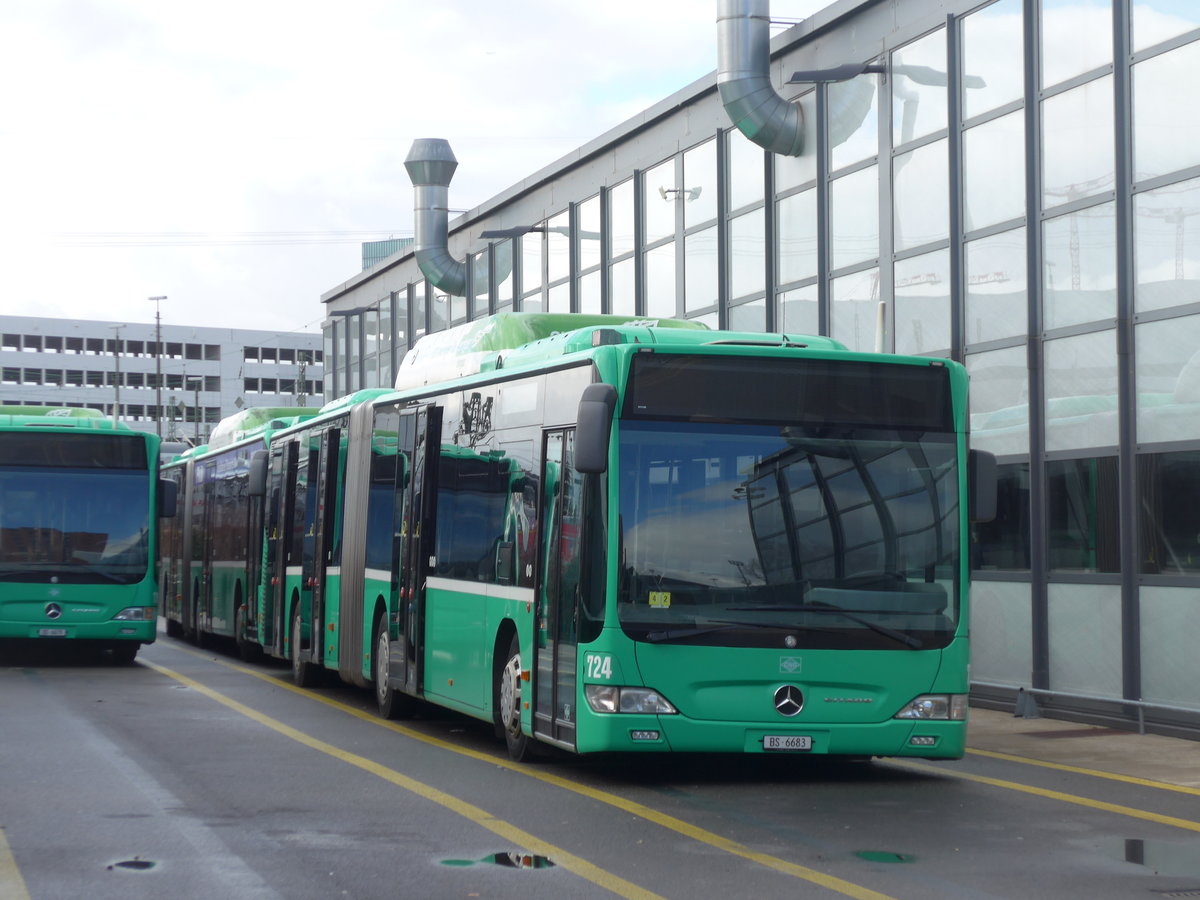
(168, 498)
(257, 486)
(981, 485)
(594, 427)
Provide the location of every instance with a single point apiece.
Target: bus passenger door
(278, 535)
(325, 527)
(556, 624)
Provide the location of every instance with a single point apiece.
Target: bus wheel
(174, 629)
(393, 704)
(125, 654)
(508, 705)
(304, 673)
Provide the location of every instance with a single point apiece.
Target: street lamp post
(196, 382)
(158, 360)
(116, 415)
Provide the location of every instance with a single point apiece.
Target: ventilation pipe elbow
(430, 166)
(744, 81)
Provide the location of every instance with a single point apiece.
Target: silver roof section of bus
(744, 81)
(431, 164)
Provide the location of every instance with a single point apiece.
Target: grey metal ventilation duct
(744, 81)
(430, 166)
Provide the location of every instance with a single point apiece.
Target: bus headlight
(936, 706)
(608, 698)
(137, 614)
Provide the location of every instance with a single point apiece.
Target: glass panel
(700, 191)
(1085, 638)
(558, 247)
(660, 281)
(919, 107)
(799, 311)
(385, 324)
(354, 352)
(1165, 138)
(1081, 391)
(922, 304)
(401, 308)
(855, 309)
(994, 163)
(996, 287)
(854, 211)
(748, 249)
(531, 261)
(623, 288)
(1079, 267)
(420, 306)
(589, 233)
(1082, 522)
(558, 298)
(620, 216)
(1001, 625)
(660, 205)
(1000, 400)
(1168, 515)
(1167, 251)
(1077, 143)
(1168, 380)
(589, 293)
(1170, 663)
(750, 316)
(1076, 38)
(458, 309)
(700, 269)
(793, 171)
(921, 183)
(1003, 543)
(797, 235)
(993, 57)
(480, 289)
(439, 311)
(853, 120)
(370, 350)
(746, 169)
(503, 255)
(1155, 21)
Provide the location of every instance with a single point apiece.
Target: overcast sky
(234, 154)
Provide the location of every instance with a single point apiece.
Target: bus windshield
(791, 536)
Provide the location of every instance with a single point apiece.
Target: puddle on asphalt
(509, 859)
(137, 864)
(1174, 858)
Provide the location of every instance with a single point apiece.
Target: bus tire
(393, 704)
(174, 628)
(125, 654)
(304, 673)
(508, 704)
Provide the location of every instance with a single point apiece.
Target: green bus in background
(604, 534)
(80, 499)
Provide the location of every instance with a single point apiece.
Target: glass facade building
(1014, 185)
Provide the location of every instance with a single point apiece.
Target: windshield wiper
(717, 626)
(907, 639)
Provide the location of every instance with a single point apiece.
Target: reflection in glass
(797, 236)
(996, 287)
(660, 205)
(921, 186)
(504, 274)
(660, 281)
(558, 247)
(994, 51)
(748, 248)
(855, 309)
(750, 316)
(589, 233)
(589, 293)
(419, 309)
(401, 315)
(1003, 543)
(1000, 400)
(1079, 267)
(793, 171)
(700, 270)
(1081, 391)
(1083, 526)
(1165, 139)
(994, 162)
(919, 108)
(1168, 380)
(853, 120)
(746, 169)
(1167, 246)
(922, 303)
(1076, 38)
(699, 195)
(1155, 21)
(799, 311)
(620, 218)
(1077, 143)
(558, 298)
(623, 288)
(1169, 517)
(531, 261)
(480, 289)
(854, 211)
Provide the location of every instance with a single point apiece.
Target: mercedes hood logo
(788, 700)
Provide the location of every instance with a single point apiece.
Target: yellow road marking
(1094, 773)
(12, 885)
(679, 826)
(1130, 811)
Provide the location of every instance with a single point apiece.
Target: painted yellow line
(12, 885)
(679, 826)
(1132, 812)
(1094, 773)
(522, 839)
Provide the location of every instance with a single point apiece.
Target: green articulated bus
(607, 534)
(79, 502)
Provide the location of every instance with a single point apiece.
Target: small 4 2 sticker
(599, 666)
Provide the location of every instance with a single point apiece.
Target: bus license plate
(787, 742)
(52, 632)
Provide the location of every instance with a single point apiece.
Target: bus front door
(325, 531)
